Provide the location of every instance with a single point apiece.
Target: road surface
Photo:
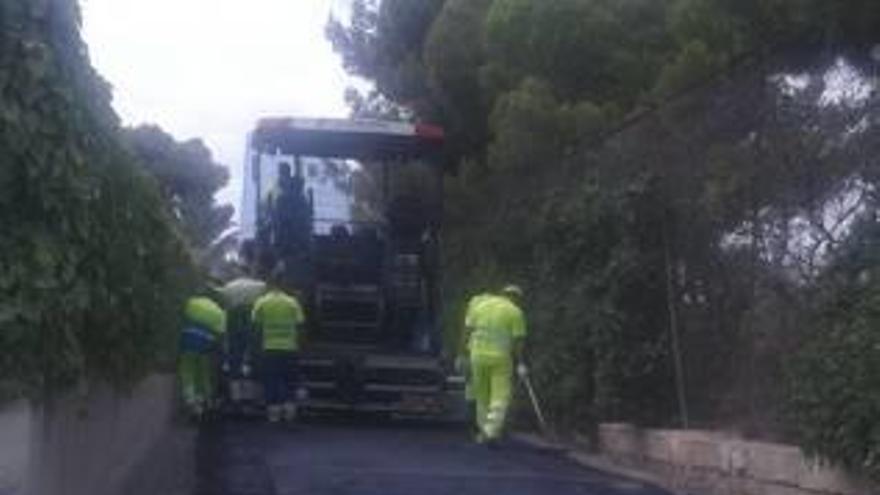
(250, 458)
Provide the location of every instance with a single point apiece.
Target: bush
(835, 384)
(92, 271)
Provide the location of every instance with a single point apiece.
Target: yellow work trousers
(491, 386)
(196, 378)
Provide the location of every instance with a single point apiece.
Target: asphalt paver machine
(348, 213)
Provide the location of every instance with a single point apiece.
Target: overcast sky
(211, 68)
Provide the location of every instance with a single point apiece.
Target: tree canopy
(189, 180)
(657, 169)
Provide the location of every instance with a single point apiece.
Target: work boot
(290, 411)
(302, 394)
(273, 414)
(235, 391)
(196, 411)
(480, 438)
(492, 434)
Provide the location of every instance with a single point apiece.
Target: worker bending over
(496, 329)
(201, 341)
(240, 295)
(278, 317)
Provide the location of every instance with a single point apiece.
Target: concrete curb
(706, 463)
(94, 441)
(16, 426)
(590, 461)
(718, 463)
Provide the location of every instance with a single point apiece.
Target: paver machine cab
(351, 220)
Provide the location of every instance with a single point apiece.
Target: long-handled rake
(549, 435)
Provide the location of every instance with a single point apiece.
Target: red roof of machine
(346, 138)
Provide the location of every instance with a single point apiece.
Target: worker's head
(513, 292)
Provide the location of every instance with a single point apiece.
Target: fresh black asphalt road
(360, 458)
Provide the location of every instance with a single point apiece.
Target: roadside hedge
(92, 270)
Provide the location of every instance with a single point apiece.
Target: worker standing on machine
(278, 318)
(497, 331)
(290, 213)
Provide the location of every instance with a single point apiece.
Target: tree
(454, 54)
(92, 268)
(635, 160)
(189, 180)
(383, 43)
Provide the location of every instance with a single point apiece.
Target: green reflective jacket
(206, 313)
(278, 317)
(497, 323)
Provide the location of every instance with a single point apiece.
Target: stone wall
(710, 463)
(93, 442)
(16, 429)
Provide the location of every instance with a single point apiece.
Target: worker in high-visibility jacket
(472, 304)
(462, 364)
(497, 331)
(278, 317)
(201, 340)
